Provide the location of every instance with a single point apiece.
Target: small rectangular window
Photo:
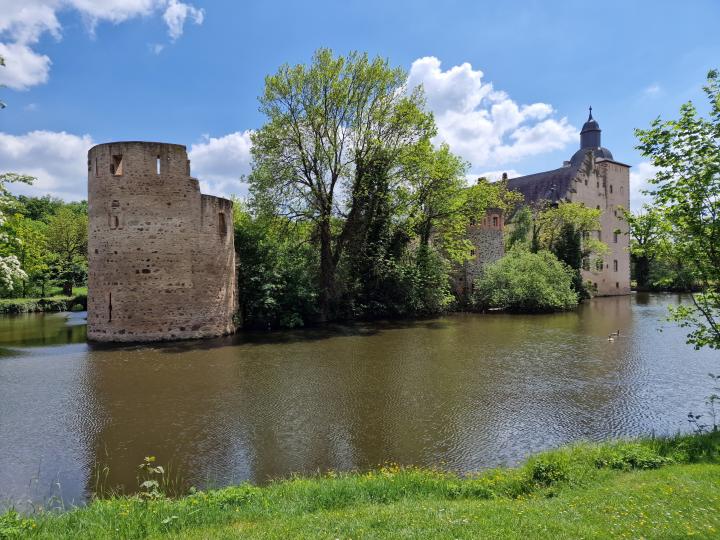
(157, 165)
(97, 171)
(495, 221)
(610, 188)
(615, 237)
(116, 167)
(615, 265)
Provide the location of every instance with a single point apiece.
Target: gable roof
(549, 185)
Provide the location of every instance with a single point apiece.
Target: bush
(526, 282)
(42, 305)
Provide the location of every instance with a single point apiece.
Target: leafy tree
(39, 208)
(10, 270)
(520, 228)
(528, 282)
(29, 246)
(656, 264)
(441, 203)
(566, 229)
(686, 193)
(275, 287)
(330, 126)
(67, 233)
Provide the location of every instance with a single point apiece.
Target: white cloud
(22, 23)
(639, 176)
(57, 159)
(175, 15)
(23, 66)
(652, 90)
(483, 125)
(59, 162)
(219, 162)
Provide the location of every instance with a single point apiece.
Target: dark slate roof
(600, 152)
(549, 185)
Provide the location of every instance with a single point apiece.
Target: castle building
(591, 177)
(161, 255)
(488, 245)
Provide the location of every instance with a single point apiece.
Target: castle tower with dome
(591, 177)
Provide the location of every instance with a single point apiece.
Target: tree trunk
(327, 272)
(642, 272)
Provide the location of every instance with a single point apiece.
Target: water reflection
(465, 391)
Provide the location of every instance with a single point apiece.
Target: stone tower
(488, 244)
(161, 256)
(591, 177)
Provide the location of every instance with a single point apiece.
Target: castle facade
(591, 177)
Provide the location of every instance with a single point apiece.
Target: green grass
(53, 302)
(655, 488)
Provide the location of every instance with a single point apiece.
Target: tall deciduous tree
(686, 191)
(333, 128)
(67, 235)
(649, 239)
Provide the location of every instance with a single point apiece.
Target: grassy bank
(56, 302)
(659, 488)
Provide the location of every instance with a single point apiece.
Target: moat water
(462, 392)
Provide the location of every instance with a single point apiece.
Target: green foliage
(551, 468)
(656, 265)
(275, 274)
(520, 228)
(332, 127)
(686, 193)
(41, 305)
(523, 281)
(585, 490)
(567, 230)
(67, 236)
(13, 525)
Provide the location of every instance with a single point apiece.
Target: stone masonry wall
(488, 246)
(605, 184)
(159, 265)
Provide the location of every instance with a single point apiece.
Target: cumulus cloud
(219, 163)
(57, 159)
(23, 23)
(484, 125)
(639, 176)
(23, 66)
(175, 15)
(59, 162)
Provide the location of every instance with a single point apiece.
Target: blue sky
(509, 82)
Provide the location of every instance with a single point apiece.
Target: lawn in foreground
(652, 488)
(673, 502)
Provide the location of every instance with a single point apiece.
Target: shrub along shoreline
(649, 487)
(43, 305)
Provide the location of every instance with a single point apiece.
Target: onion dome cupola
(590, 140)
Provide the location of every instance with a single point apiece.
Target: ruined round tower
(161, 256)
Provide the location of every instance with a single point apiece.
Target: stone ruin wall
(488, 246)
(161, 257)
